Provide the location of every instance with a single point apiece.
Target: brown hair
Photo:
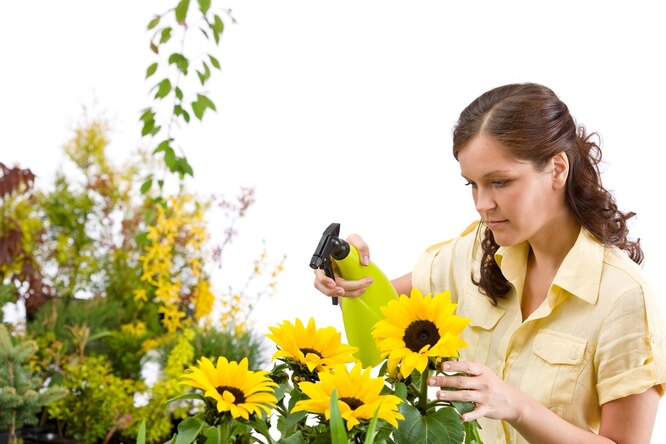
(533, 124)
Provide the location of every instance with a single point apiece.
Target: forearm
(538, 424)
(403, 284)
(628, 420)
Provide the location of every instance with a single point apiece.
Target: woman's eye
(499, 183)
(472, 184)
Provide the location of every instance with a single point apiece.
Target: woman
(564, 342)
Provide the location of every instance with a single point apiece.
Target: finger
(325, 281)
(361, 246)
(353, 289)
(458, 395)
(339, 286)
(469, 368)
(480, 410)
(331, 292)
(327, 285)
(456, 382)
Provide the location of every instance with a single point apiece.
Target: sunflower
(236, 389)
(315, 348)
(358, 396)
(416, 328)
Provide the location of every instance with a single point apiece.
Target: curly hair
(533, 124)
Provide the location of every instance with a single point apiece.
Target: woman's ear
(560, 164)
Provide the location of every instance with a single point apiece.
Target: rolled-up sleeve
(630, 356)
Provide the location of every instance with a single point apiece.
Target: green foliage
(338, 432)
(22, 394)
(99, 306)
(212, 343)
(176, 93)
(99, 402)
(438, 426)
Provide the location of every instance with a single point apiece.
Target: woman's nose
(483, 201)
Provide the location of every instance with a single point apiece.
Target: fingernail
(432, 381)
(368, 281)
(446, 366)
(441, 395)
(365, 260)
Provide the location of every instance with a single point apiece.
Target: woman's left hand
(493, 397)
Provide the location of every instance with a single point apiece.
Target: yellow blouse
(596, 337)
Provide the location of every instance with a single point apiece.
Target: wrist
(521, 406)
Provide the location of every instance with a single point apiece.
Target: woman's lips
(493, 224)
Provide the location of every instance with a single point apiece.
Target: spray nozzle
(330, 245)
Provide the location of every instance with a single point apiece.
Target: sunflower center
(353, 403)
(305, 352)
(239, 396)
(420, 333)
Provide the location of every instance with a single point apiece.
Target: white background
(342, 112)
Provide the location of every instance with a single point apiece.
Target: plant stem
(423, 393)
(223, 431)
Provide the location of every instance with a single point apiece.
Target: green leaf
(370, 433)
(163, 146)
(141, 435)
(214, 62)
(204, 5)
(185, 397)
(153, 47)
(141, 239)
(296, 438)
(183, 167)
(181, 10)
(165, 35)
(151, 70)
(180, 111)
(287, 424)
(201, 104)
(148, 119)
(170, 159)
(98, 335)
(472, 433)
(8, 293)
(147, 185)
(188, 430)
(338, 432)
(154, 22)
(443, 426)
(163, 88)
(212, 434)
(180, 61)
(401, 390)
(259, 424)
(205, 75)
(148, 114)
(294, 396)
(463, 407)
(217, 27)
(179, 93)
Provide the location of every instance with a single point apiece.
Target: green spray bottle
(359, 314)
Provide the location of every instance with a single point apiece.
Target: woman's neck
(551, 245)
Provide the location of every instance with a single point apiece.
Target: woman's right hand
(339, 287)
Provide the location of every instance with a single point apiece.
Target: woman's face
(517, 201)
